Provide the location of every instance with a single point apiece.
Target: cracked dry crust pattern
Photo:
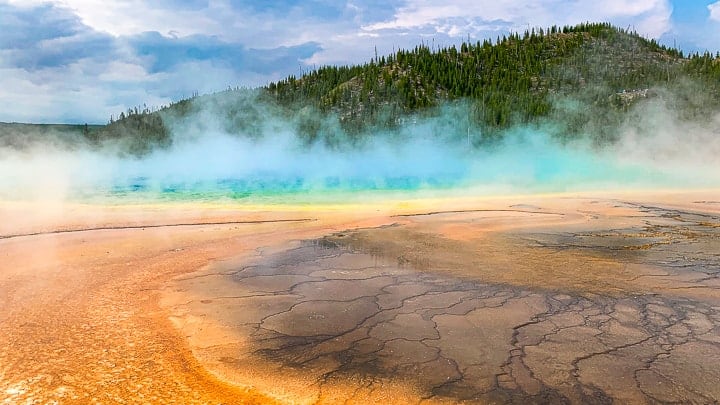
(353, 315)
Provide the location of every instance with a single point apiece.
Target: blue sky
(83, 60)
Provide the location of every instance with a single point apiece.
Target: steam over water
(212, 165)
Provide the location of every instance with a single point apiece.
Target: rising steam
(653, 149)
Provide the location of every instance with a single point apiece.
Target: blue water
(230, 169)
(268, 187)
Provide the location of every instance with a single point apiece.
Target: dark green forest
(584, 80)
(520, 79)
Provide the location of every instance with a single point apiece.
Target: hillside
(520, 79)
(583, 79)
(23, 136)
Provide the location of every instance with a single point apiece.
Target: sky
(81, 61)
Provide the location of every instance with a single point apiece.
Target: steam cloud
(654, 150)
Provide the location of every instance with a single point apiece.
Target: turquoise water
(221, 168)
(537, 175)
(267, 190)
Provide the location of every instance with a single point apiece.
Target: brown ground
(536, 299)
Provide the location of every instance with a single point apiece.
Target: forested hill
(584, 79)
(23, 136)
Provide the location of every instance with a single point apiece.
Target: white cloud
(120, 71)
(650, 17)
(89, 92)
(131, 17)
(58, 96)
(714, 9)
